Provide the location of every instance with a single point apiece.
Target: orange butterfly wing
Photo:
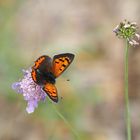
(36, 65)
(51, 91)
(33, 74)
(61, 63)
(39, 61)
(43, 63)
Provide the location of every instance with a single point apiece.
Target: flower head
(128, 30)
(31, 92)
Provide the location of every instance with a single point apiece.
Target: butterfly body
(45, 77)
(46, 70)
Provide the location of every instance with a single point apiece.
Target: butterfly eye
(38, 71)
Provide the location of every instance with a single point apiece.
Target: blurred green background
(92, 101)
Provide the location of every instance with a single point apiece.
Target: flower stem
(66, 122)
(128, 120)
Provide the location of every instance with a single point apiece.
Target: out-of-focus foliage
(92, 101)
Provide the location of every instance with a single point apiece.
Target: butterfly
(46, 70)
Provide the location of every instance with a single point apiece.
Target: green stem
(128, 120)
(66, 122)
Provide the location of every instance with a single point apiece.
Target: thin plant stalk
(129, 32)
(66, 122)
(128, 119)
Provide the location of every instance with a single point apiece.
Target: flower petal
(31, 106)
(31, 92)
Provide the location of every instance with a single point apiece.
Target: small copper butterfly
(46, 70)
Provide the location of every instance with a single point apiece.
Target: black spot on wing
(56, 62)
(64, 65)
(60, 59)
(67, 60)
